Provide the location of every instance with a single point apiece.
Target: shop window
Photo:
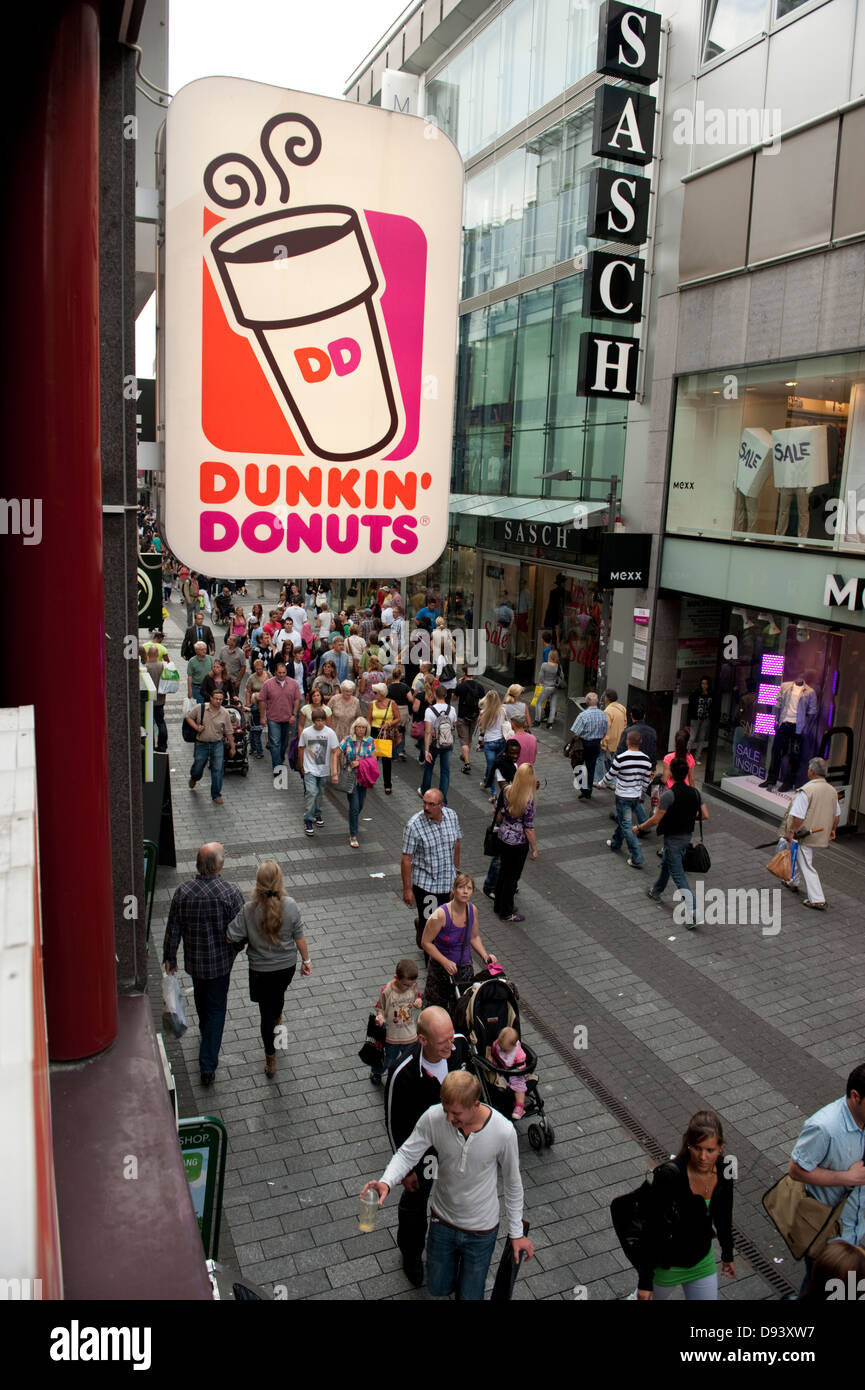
(772, 453)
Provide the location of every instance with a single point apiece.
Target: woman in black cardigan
(691, 1198)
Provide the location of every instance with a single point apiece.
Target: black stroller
(488, 1005)
(240, 761)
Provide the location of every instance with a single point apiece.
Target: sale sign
(311, 287)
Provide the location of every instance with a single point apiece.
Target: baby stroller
(488, 1005)
(240, 761)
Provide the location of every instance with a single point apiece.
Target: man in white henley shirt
(472, 1142)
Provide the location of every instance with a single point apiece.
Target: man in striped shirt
(591, 725)
(631, 772)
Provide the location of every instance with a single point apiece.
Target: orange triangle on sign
(210, 220)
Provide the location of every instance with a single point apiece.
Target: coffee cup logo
(302, 285)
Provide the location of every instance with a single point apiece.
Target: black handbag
(491, 839)
(696, 857)
(372, 1052)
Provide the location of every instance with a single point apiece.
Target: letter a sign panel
(312, 253)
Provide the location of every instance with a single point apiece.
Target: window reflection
(731, 22)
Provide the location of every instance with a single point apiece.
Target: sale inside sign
(311, 286)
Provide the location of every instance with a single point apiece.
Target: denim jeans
(672, 867)
(355, 806)
(278, 739)
(211, 999)
(491, 752)
(444, 757)
(493, 872)
(161, 728)
(213, 753)
(458, 1261)
(255, 729)
(312, 786)
(393, 1053)
(196, 694)
(629, 811)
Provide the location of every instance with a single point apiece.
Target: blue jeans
(629, 811)
(492, 877)
(211, 1000)
(196, 694)
(672, 867)
(491, 752)
(312, 786)
(255, 729)
(444, 757)
(213, 753)
(458, 1261)
(278, 739)
(355, 806)
(393, 1053)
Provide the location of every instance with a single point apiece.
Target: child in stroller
(487, 1006)
(507, 1052)
(240, 761)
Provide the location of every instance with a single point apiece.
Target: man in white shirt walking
(472, 1142)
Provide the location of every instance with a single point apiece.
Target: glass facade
(518, 414)
(528, 212)
(729, 23)
(527, 56)
(774, 454)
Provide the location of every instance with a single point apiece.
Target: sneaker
(610, 845)
(353, 842)
(193, 783)
(402, 757)
(820, 907)
(650, 893)
(419, 792)
(788, 883)
(632, 864)
(487, 894)
(319, 820)
(375, 1078)
(518, 1112)
(467, 767)
(308, 827)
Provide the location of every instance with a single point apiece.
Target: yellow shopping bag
(536, 696)
(383, 748)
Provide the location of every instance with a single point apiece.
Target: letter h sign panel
(608, 366)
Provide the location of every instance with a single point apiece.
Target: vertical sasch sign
(311, 288)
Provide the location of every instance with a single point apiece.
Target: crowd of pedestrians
(335, 699)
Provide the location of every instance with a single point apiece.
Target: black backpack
(630, 1217)
(187, 732)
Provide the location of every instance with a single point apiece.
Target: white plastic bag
(190, 705)
(169, 681)
(173, 1012)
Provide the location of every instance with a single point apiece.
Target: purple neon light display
(767, 694)
(772, 664)
(764, 724)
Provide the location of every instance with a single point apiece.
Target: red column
(51, 385)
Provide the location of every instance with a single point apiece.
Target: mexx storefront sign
(629, 41)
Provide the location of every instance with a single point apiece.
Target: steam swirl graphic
(294, 151)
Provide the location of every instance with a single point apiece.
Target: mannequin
(795, 715)
(754, 467)
(801, 463)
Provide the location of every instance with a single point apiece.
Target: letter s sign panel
(312, 251)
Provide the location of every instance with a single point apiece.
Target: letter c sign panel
(312, 252)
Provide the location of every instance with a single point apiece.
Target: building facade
(514, 85)
(755, 415)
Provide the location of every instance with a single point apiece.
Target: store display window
(772, 454)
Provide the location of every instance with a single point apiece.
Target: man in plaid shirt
(430, 857)
(199, 915)
(591, 725)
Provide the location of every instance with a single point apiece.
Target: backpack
(187, 732)
(630, 1217)
(443, 730)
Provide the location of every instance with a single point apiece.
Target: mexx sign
(629, 41)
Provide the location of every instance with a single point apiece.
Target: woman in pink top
(680, 750)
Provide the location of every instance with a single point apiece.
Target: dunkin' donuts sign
(311, 287)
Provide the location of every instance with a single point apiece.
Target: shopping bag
(781, 863)
(536, 696)
(383, 748)
(347, 780)
(173, 1012)
(509, 1268)
(169, 681)
(189, 705)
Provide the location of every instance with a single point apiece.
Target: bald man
(413, 1086)
(199, 916)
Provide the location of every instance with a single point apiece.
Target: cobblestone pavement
(761, 1027)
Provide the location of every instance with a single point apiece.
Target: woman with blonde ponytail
(271, 928)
